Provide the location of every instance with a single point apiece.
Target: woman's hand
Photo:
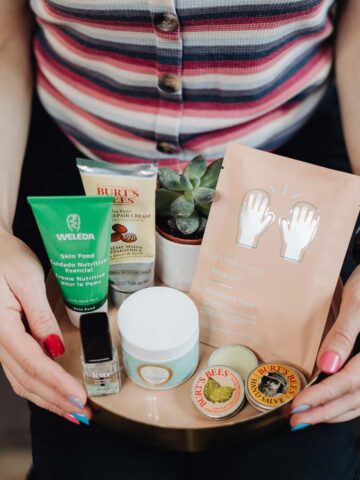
(337, 398)
(25, 357)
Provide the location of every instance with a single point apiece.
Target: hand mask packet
(270, 259)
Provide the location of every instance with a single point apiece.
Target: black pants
(62, 450)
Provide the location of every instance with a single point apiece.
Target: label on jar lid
(155, 374)
(271, 385)
(217, 392)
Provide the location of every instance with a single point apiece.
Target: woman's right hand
(26, 357)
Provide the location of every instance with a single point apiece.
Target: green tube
(76, 234)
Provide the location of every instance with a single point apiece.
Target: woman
(158, 79)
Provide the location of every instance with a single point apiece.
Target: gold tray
(165, 419)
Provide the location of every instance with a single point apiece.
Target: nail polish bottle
(100, 360)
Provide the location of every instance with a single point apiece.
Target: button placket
(169, 83)
(166, 22)
(169, 52)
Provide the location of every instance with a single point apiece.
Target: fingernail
(82, 418)
(300, 426)
(71, 419)
(300, 408)
(330, 362)
(75, 401)
(54, 346)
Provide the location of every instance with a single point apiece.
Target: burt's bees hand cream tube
(75, 231)
(132, 247)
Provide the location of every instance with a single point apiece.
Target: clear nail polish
(99, 360)
(301, 408)
(75, 401)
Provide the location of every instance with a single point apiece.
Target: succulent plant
(185, 199)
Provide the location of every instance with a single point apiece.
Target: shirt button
(169, 83)
(166, 22)
(167, 147)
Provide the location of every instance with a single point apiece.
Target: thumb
(268, 220)
(41, 320)
(284, 226)
(340, 340)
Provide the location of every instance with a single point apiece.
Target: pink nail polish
(71, 419)
(330, 362)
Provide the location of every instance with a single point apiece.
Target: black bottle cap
(95, 337)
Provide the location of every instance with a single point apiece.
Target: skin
(35, 376)
(337, 398)
(31, 372)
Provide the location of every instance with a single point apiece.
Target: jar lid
(271, 385)
(218, 392)
(238, 357)
(158, 324)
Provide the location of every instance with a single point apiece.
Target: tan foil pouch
(273, 248)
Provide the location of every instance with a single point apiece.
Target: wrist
(5, 228)
(247, 239)
(291, 253)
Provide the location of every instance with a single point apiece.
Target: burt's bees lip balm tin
(271, 385)
(218, 392)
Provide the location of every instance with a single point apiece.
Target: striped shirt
(135, 80)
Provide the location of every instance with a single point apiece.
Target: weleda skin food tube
(132, 247)
(76, 234)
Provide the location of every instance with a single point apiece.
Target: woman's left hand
(337, 398)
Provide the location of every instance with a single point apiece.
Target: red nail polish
(71, 419)
(330, 362)
(54, 346)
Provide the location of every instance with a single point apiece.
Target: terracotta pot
(176, 260)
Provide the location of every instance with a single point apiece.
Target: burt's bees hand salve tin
(271, 385)
(218, 392)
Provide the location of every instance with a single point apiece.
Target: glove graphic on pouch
(254, 218)
(297, 230)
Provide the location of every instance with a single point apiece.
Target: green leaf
(210, 386)
(170, 179)
(195, 182)
(203, 222)
(196, 168)
(203, 210)
(164, 199)
(186, 183)
(187, 226)
(210, 177)
(183, 206)
(203, 195)
(221, 394)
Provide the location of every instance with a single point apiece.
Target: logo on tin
(271, 385)
(217, 392)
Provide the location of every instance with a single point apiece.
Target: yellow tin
(271, 385)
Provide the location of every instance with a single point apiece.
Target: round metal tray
(166, 419)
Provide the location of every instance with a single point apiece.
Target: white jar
(159, 329)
